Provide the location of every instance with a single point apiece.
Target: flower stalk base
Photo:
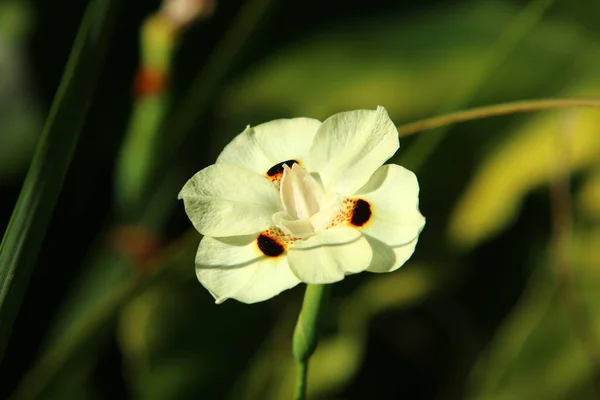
(306, 334)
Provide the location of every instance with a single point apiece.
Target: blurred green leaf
(516, 31)
(178, 344)
(413, 67)
(536, 354)
(15, 17)
(77, 346)
(43, 183)
(20, 113)
(525, 159)
(106, 267)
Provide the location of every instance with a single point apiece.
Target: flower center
(307, 208)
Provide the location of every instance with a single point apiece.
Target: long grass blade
(27, 227)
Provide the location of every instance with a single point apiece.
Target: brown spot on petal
(361, 213)
(269, 246)
(276, 171)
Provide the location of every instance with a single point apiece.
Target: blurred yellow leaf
(527, 159)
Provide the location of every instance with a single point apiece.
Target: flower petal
(388, 259)
(261, 147)
(233, 267)
(330, 255)
(350, 146)
(383, 258)
(393, 194)
(227, 200)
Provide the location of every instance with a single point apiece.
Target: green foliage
(15, 18)
(528, 157)
(411, 66)
(539, 343)
(32, 213)
(170, 336)
(176, 344)
(19, 112)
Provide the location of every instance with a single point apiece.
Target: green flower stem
(495, 110)
(301, 378)
(306, 334)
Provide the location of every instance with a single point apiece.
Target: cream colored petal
(388, 259)
(330, 255)
(261, 147)
(235, 268)
(350, 146)
(393, 195)
(226, 200)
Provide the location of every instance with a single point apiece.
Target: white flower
(297, 200)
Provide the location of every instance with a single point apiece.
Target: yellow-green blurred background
(499, 301)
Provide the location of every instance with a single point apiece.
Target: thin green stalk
(136, 160)
(301, 380)
(518, 29)
(306, 334)
(495, 110)
(30, 218)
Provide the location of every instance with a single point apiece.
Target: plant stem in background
(44, 180)
(495, 110)
(306, 334)
(518, 29)
(159, 37)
